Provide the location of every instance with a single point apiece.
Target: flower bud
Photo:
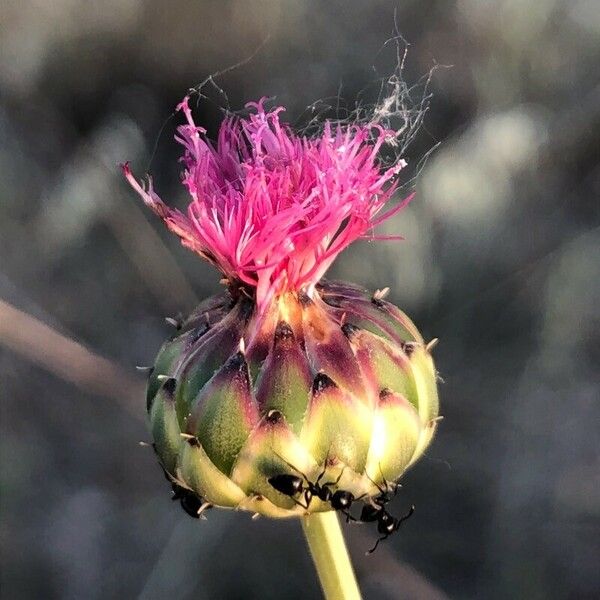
(342, 384)
(286, 382)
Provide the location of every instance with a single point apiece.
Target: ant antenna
(396, 527)
(290, 465)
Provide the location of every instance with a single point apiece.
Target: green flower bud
(339, 385)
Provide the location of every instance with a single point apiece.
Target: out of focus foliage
(500, 262)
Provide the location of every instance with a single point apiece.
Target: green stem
(329, 553)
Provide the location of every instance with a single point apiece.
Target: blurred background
(500, 262)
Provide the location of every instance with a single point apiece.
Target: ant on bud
(191, 503)
(375, 511)
(293, 485)
(386, 523)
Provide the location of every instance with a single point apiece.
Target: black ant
(386, 523)
(292, 485)
(386, 493)
(191, 503)
(376, 512)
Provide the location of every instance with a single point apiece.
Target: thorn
(144, 369)
(242, 346)
(174, 322)
(432, 344)
(381, 294)
(145, 444)
(255, 516)
(205, 506)
(162, 377)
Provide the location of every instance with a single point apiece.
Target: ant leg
(349, 517)
(381, 539)
(304, 506)
(385, 481)
(381, 490)
(336, 481)
(325, 464)
(290, 465)
(389, 485)
(298, 503)
(340, 475)
(324, 468)
(307, 498)
(321, 474)
(408, 515)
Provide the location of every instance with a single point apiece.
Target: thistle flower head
(296, 380)
(272, 209)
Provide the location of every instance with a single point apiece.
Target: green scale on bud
(339, 384)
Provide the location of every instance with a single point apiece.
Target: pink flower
(271, 208)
